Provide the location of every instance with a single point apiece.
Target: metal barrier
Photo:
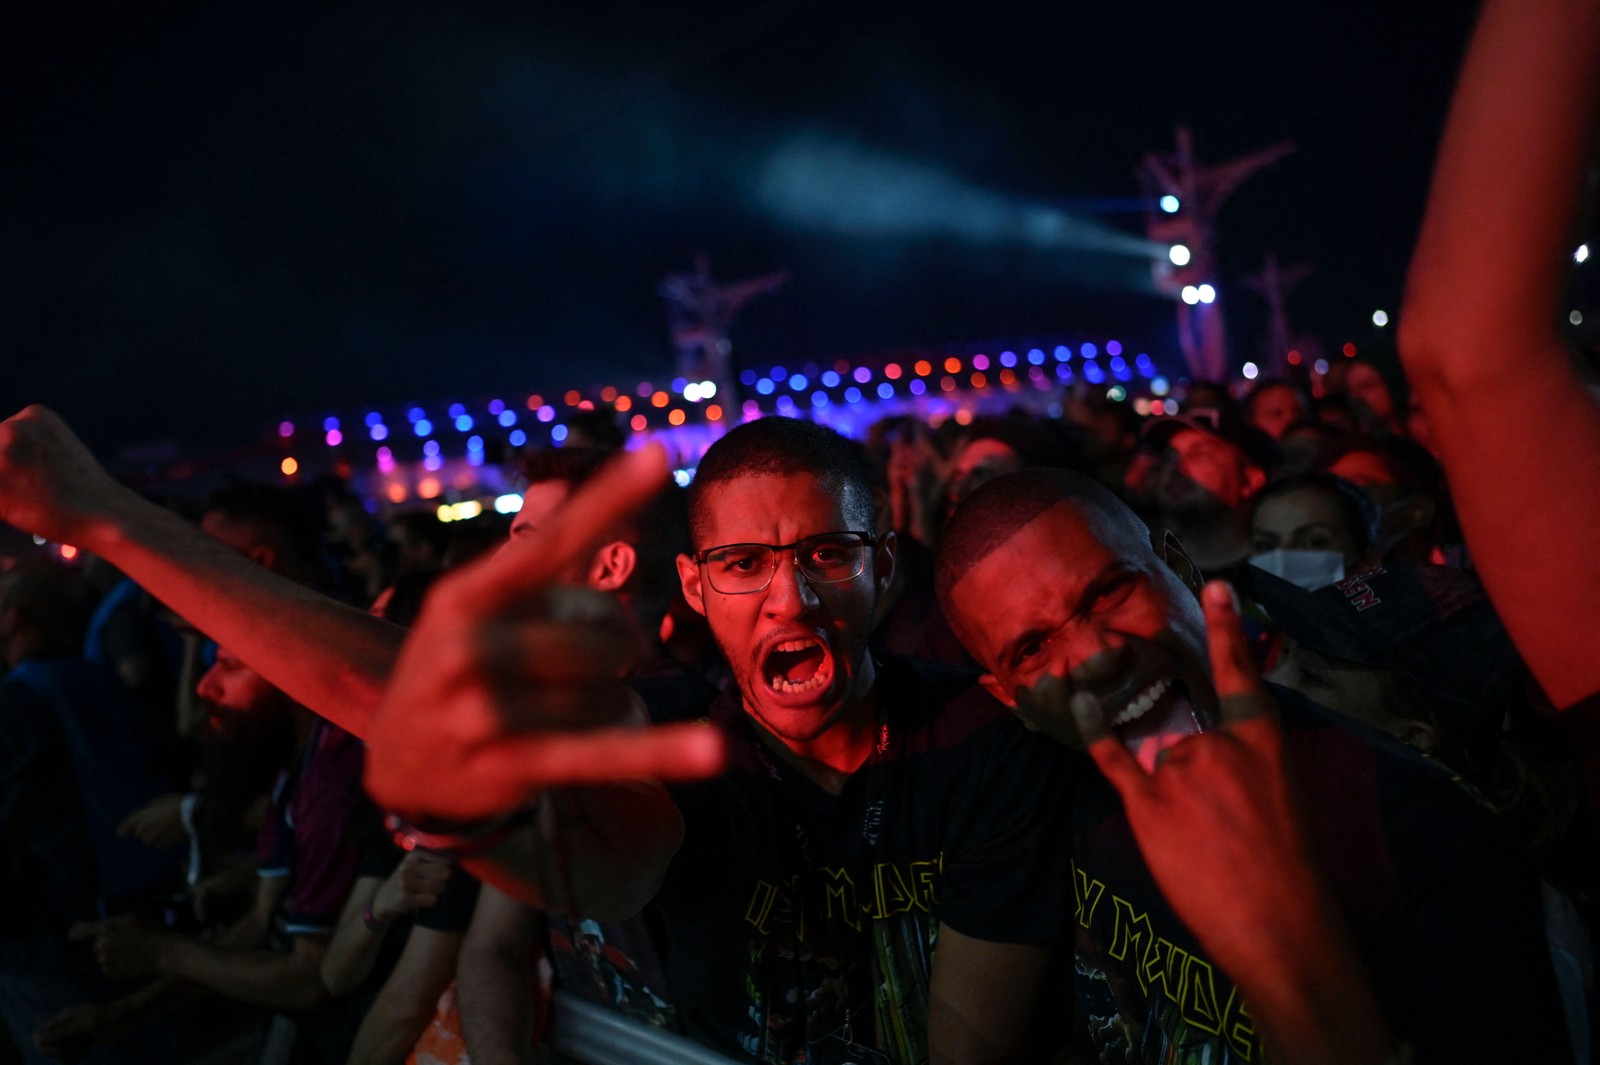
(591, 1033)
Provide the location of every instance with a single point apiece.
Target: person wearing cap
(1212, 464)
(1414, 651)
(1418, 652)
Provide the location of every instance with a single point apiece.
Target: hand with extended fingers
(1221, 831)
(507, 685)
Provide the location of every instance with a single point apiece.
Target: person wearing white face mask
(1313, 529)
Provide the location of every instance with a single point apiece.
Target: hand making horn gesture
(1221, 831)
(507, 685)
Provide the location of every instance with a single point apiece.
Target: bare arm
(328, 656)
(238, 966)
(127, 948)
(416, 883)
(283, 980)
(982, 999)
(1518, 434)
(354, 948)
(495, 984)
(408, 1000)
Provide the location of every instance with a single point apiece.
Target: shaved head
(997, 511)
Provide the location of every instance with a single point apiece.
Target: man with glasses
(863, 805)
(879, 873)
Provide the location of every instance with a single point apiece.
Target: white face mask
(1308, 569)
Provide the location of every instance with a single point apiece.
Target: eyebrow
(1091, 591)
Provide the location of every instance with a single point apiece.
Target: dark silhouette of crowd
(1268, 729)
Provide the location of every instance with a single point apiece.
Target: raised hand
(1220, 829)
(50, 484)
(506, 685)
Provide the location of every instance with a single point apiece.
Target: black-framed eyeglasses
(827, 558)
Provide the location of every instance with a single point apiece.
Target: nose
(1096, 659)
(210, 687)
(790, 594)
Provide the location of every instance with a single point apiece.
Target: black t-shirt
(1444, 911)
(801, 924)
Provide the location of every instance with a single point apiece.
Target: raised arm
(330, 657)
(507, 690)
(1480, 336)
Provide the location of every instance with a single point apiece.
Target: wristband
(458, 839)
(370, 919)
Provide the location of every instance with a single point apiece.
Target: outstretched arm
(1480, 337)
(328, 656)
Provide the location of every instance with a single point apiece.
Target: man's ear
(883, 556)
(1171, 551)
(992, 685)
(689, 578)
(611, 567)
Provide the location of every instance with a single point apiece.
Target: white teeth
(789, 687)
(1141, 704)
(822, 676)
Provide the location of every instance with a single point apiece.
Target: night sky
(216, 214)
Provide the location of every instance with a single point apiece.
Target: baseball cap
(1432, 625)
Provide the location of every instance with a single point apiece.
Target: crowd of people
(1264, 731)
